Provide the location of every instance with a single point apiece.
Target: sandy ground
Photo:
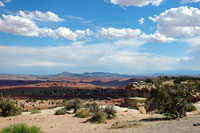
(50, 123)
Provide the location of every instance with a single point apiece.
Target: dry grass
(125, 124)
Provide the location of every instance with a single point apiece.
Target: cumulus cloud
(157, 37)
(138, 3)
(41, 16)
(179, 22)
(141, 21)
(113, 33)
(18, 26)
(2, 4)
(24, 26)
(79, 58)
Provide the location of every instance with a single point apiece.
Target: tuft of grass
(125, 124)
(99, 117)
(35, 111)
(74, 104)
(83, 113)
(110, 111)
(60, 112)
(21, 128)
(93, 107)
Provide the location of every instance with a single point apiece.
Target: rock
(196, 124)
(70, 111)
(138, 103)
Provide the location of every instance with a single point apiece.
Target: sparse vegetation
(99, 117)
(190, 107)
(8, 108)
(83, 113)
(148, 81)
(60, 111)
(74, 104)
(93, 107)
(35, 111)
(110, 111)
(125, 124)
(21, 128)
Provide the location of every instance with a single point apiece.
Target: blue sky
(117, 36)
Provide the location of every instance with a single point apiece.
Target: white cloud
(129, 43)
(141, 21)
(2, 4)
(18, 26)
(113, 33)
(112, 57)
(179, 22)
(40, 16)
(194, 49)
(156, 37)
(138, 3)
(43, 64)
(74, 17)
(26, 27)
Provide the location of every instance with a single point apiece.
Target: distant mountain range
(63, 75)
(93, 75)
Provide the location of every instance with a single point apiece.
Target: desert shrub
(35, 111)
(34, 100)
(73, 104)
(58, 103)
(64, 100)
(21, 128)
(83, 113)
(27, 101)
(125, 124)
(190, 107)
(148, 81)
(8, 108)
(172, 99)
(99, 117)
(110, 111)
(60, 111)
(94, 107)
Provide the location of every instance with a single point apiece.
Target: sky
(116, 36)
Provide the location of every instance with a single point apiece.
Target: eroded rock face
(138, 103)
(137, 92)
(141, 89)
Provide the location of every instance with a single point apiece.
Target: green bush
(60, 111)
(8, 108)
(99, 117)
(110, 112)
(35, 111)
(190, 107)
(172, 99)
(73, 104)
(21, 128)
(83, 113)
(148, 81)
